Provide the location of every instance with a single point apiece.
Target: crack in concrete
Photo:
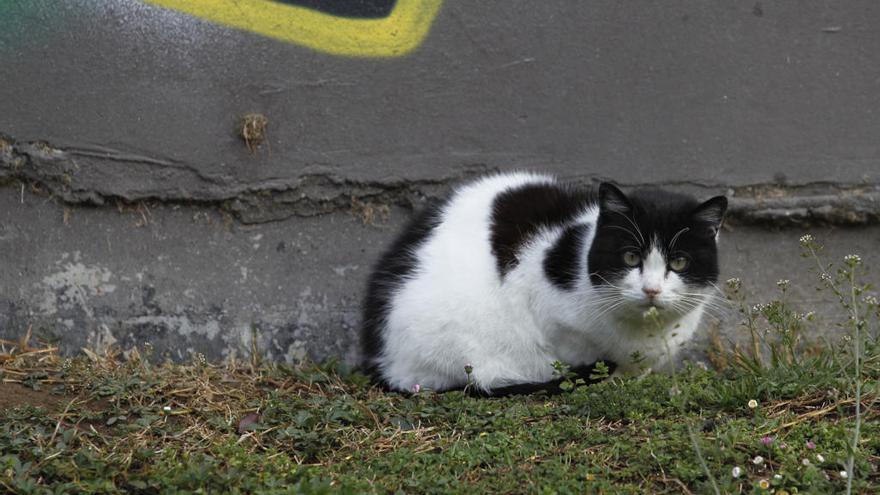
(54, 170)
(846, 206)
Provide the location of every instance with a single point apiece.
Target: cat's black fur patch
(395, 264)
(518, 213)
(679, 224)
(562, 261)
(553, 386)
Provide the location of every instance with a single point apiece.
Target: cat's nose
(651, 292)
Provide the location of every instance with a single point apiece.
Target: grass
(777, 416)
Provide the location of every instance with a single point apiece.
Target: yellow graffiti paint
(398, 34)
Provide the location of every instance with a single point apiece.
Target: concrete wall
(132, 211)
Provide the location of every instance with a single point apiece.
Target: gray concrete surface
(189, 279)
(133, 212)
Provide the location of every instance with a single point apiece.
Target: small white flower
(783, 284)
(820, 458)
(758, 460)
(871, 301)
(806, 239)
(844, 474)
(734, 283)
(416, 388)
(809, 315)
(166, 408)
(852, 259)
(650, 313)
(825, 277)
(805, 462)
(777, 476)
(736, 472)
(753, 404)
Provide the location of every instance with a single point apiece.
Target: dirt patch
(14, 395)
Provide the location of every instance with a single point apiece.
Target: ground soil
(14, 395)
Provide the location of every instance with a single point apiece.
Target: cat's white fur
(454, 309)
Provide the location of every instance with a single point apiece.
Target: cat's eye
(632, 258)
(678, 264)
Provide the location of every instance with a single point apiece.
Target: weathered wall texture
(131, 210)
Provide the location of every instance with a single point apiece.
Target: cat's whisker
(597, 274)
(708, 298)
(610, 308)
(625, 230)
(676, 236)
(631, 222)
(715, 286)
(713, 309)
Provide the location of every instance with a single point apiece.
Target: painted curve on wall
(354, 28)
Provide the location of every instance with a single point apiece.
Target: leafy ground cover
(111, 425)
(776, 416)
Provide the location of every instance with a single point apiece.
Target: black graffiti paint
(358, 9)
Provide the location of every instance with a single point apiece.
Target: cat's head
(655, 248)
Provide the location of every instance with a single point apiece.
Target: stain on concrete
(74, 286)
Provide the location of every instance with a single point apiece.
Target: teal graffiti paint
(25, 22)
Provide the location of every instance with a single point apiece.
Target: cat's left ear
(711, 214)
(612, 199)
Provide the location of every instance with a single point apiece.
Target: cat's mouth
(653, 303)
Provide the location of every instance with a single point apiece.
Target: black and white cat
(515, 271)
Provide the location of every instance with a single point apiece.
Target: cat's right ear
(612, 199)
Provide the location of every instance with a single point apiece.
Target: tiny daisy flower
(736, 472)
(805, 462)
(820, 458)
(753, 404)
(844, 474)
(766, 440)
(416, 388)
(811, 445)
(758, 460)
(764, 484)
